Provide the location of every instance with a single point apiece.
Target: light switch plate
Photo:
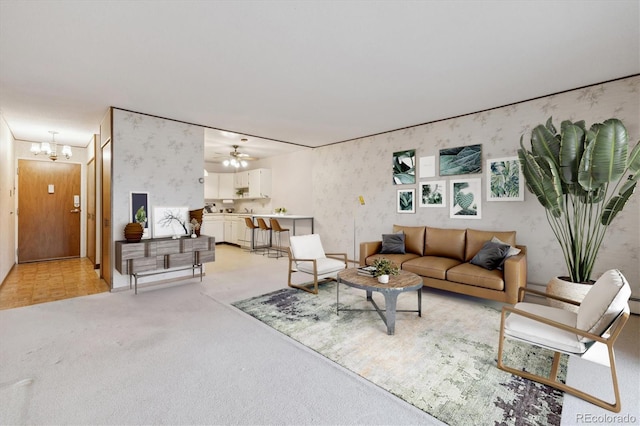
(50, 188)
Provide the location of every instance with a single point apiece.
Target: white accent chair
(599, 321)
(306, 255)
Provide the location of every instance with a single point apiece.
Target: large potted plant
(583, 177)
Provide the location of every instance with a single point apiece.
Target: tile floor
(32, 283)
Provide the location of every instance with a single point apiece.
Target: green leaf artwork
(404, 167)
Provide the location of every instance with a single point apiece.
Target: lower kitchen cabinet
(214, 227)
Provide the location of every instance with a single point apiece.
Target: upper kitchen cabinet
(226, 186)
(211, 185)
(241, 179)
(259, 183)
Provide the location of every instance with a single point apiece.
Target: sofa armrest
(369, 248)
(515, 275)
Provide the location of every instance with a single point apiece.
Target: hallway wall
(7, 200)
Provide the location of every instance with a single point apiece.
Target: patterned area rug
(443, 362)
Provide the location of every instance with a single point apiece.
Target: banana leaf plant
(583, 178)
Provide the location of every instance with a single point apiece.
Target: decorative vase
(133, 232)
(567, 289)
(197, 215)
(383, 279)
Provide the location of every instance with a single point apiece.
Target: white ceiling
(306, 72)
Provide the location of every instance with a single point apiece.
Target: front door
(48, 219)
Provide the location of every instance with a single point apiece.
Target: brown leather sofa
(442, 257)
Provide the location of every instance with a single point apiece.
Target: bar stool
(250, 227)
(278, 230)
(265, 231)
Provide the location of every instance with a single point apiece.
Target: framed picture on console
(170, 222)
(406, 201)
(139, 211)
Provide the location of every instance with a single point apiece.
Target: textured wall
(158, 156)
(7, 200)
(363, 167)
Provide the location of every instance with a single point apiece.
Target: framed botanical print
(139, 211)
(404, 167)
(461, 160)
(466, 200)
(433, 193)
(406, 201)
(505, 181)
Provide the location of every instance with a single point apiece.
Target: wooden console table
(163, 255)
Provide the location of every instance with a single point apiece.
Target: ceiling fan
(237, 159)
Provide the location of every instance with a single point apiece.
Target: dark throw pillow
(392, 244)
(491, 255)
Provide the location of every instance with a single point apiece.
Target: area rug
(444, 362)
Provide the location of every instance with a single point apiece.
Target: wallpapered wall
(158, 156)
(344, 171)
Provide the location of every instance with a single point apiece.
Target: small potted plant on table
(384, 268)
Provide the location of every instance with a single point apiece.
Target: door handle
(75, 211)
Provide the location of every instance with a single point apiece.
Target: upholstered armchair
(306, 255)
(599, 321)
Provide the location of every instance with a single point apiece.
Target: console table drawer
(142, 264)
(180, 259)
(205, 256)
(167, 247)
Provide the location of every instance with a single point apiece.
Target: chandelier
(51, 149)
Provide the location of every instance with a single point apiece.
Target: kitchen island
(286, 217)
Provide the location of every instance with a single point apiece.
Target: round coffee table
(403, 282)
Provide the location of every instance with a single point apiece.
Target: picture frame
(140, 200)
(505, 181)
(404, 167)
(170, 222)
(406, 201)
(433, 193)
(461, 160)
(466, 198)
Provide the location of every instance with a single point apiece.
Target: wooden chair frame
(612, 334)
(312, 287)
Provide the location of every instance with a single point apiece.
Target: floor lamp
(361, 201)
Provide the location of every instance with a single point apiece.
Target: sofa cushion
(396, 259)
(413, 238)
(430, 266)
(491, 255)
(476, 239)
(393, 243)
(466, 273)
(534, 331)
(604, 302)
(512, 250)
(445, 243)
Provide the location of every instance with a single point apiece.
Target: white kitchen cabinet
(231, 230)
(226, 188)
(242, 237)
(228, 231)
(211, 183)
(259, 183)
(241, 179)
(213, 227)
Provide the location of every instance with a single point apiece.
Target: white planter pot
(568, 290)
(383, 279)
